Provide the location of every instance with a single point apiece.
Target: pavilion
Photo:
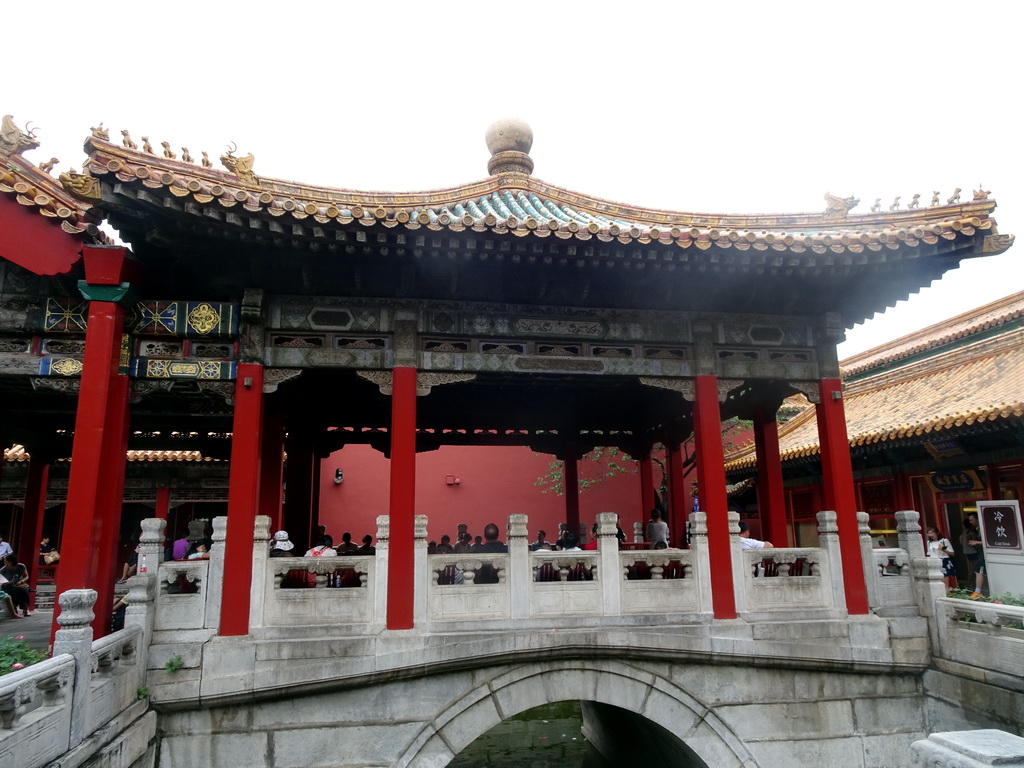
(504, 311)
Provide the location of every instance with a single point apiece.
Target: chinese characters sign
(1000, 525)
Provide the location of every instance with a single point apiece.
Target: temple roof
(973, 375)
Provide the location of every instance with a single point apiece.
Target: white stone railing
(985, 635)
(780, 579)
(182, 594)
(319, 590)
(659, 581)
(50, 707)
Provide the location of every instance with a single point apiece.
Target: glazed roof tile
(523, 205)
(18, 453)
(971, 384)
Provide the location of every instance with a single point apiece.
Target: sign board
(1002, 537)
(955, 480)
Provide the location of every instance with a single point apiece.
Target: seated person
(487, 573)
(464, 545)
(367, 547)
(347, 546)
(281, 546)
(748, 543)
(592, 544)
(130, 567)
(16, 584)
(324, 548)
(48, 555)
(541, 544)
(445, 547)
(200, 550)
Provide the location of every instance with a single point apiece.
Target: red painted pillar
(677, 493)
(163, 502)
(771, 497)
(95, 486)
(32, 519)
(272, 465)
(314, 497)
(647, 485)
(837, 484)
(243, 496)
(707, 431)
(571, 476)
(402, 508)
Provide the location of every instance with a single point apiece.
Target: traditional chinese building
(507, 311)
(935, 422)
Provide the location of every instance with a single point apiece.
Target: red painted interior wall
(494, 482)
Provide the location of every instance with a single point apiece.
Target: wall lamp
(338, 476)
(452, 480)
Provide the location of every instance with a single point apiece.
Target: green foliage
(174, 664)
(16, 653)
(1005, 598)
(592, 470)
(142, 693)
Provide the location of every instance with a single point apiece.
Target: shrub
(16, 653)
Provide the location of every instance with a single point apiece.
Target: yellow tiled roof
(18, 453)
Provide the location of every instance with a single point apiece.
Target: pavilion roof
(972, 375)
(518, 203)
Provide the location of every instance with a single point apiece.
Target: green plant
(174, 664)
(1004, 598)
(142, 693)
(16, 653)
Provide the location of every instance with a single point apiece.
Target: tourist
(969, 533)
(131, 566)
(200, 550)
(464, 546)
(941, 548)
(48, 554)
(445, 547)
(746, 542)
(592, 544)
(281, 546)
(491, 543)
(367, 547)
(571, 542)
(179, 550)
(972, 538)
(5, 548)
(347, 546)
(477, 543)
(16, 584)
(324, 548)
(541, 543)
(657, 529)
(619, 533)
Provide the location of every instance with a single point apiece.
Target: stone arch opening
(609, 690)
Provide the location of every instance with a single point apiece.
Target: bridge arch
(634, 688)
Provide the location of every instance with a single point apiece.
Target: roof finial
(509, 141)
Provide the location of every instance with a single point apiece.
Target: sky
(698, 107)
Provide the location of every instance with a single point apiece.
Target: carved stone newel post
(75, 637)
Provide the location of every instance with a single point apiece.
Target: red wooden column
(96, 483)
(837, 485)
(571, 478)
(243, 497)
(402, 508)
(677, 492)
(163, 502)
(707, 432)
(272, 464)
(646, 485)
(32, 519)
(771, 497)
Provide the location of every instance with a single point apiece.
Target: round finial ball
(509, 134)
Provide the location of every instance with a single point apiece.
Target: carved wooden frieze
(424, 380)
(273, 377)
(685, 387)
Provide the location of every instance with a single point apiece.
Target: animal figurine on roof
(47, 165)
(954, 198)
(240, 166)
(127, 141)
(838, 207)
(14, 141)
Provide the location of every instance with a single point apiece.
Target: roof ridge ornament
(839, 207)
(509, 141)
(13, 140)
(240, 166)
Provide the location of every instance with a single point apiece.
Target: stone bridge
(319, 681)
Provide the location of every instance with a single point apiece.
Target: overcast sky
(712, 107)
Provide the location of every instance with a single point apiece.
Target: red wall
(495, 482)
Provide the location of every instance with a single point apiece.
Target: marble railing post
(867, 558)
(701, 560)
(214, 586)
(260, 555)
(740, 577)
(420, 567)
(75, 637)
(609, 569)
(908, 526)
(151, 545)
(638, 533)
(141, 611)
(380, 603)
(520, 575)
(828, 541)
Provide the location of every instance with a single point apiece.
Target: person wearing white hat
(281, 546)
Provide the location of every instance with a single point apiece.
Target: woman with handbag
(939, 546)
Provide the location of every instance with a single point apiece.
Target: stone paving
(35, 629)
